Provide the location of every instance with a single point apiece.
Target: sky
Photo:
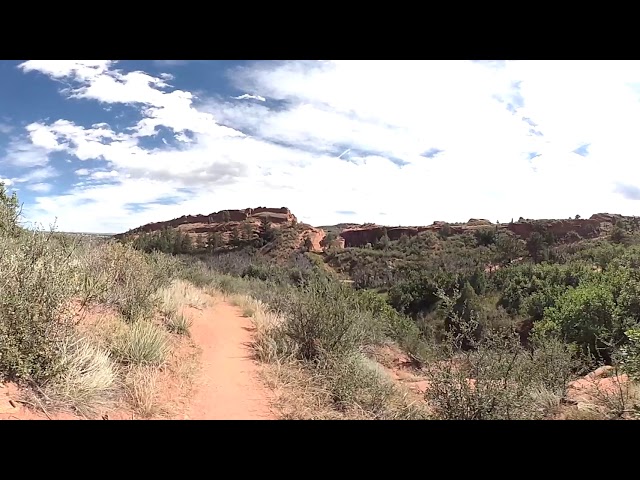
(105, 146)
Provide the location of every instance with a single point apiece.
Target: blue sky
(105, 146)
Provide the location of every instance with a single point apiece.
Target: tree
(618, 234)
(508, 248)
(445, 231)
(247, 231)
(308, 244)
(267, 233)
(585, 315)
(186, 244)
(200, 244)
(329, 238)
(536, 246)
(214, 241)
(236, 236)
(485, 236)
(226, 216)
(9, 211)
(384, 241)
(464, 313)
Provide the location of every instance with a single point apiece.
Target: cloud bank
(394, 142)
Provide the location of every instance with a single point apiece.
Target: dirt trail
(227, 387)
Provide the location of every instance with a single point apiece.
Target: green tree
(508, 248)
(214, 241)
(618, 234)
(308, 244)
(445, 231)
(485, 236)
(383, 242)
(9, 211)
(329, 238)
(236, 237)
(584, 315)
(186, 244)
(536, 246)
(247, 231)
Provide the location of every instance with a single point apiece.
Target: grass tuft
(143, 343)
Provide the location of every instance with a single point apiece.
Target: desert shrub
(355, 382)
(325, 320)
(9, 213)
(88, 377)
(120, 276)
(497, 379)
(142, 389)
(584, 315)
(486, 236)
(630, 353)
(178, 323)
(36, 284)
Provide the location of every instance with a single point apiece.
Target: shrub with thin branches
(35, 287)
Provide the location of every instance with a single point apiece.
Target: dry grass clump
(143, 391)
(142, 343)
(178, 294)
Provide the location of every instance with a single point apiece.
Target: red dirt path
(226, 388)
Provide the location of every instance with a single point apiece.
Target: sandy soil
(228, 387)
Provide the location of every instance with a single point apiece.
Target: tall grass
(142, 343)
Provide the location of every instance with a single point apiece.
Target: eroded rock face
(586, 228)
(226, 222)
(201, 222)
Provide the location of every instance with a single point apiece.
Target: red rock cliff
(205, 223)
(586, 228)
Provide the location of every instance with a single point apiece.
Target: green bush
(36, 284)
(126, 279)
(497, 379)
(325, 320)
(584, 315)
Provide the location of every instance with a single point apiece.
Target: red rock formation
(316, 235)
(206, 223)
(586, 228)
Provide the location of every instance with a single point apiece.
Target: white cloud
(247, 96)
(39, 187)
(37, 174)
(171, 63)
(84, 70)
(336, 133)
(21, 153)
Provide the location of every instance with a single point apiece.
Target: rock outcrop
(247, 221)
(359, 236)
(586, 228)
(202, 222)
